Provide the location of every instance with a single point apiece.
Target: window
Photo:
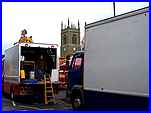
(77, 63)
(64, 40)
(74, 39)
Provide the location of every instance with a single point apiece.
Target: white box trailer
(115, 63)
(29, 54)
(122, 55)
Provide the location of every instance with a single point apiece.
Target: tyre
(77, 101)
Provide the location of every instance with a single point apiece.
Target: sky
(43, 20)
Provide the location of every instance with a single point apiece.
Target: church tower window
(74, 39)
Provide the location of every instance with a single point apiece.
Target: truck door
(75, 74)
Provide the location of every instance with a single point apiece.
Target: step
(51, 101)
(50, 96)
(48, 81)
(49, 91)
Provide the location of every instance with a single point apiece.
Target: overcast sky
(43, 20)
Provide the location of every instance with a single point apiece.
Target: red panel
(15, 88)
(7, 87)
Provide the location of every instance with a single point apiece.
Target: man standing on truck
(24, 38)
(41, 64)
(50, 62)
(44, 65)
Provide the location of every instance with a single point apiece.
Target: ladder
(49, 93)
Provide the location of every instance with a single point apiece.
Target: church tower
(70, 39)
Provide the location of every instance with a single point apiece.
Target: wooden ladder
(49, 93)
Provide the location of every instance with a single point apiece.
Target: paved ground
(60, 105)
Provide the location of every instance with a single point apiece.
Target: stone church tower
(70, 39)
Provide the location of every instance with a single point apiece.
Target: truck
(111, 73)
(24, 67)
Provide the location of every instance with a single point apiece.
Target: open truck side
(28, 55)
(112, 72)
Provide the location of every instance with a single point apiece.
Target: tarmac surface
(61, 104)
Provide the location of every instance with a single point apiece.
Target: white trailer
(29, 55)
(115, 63)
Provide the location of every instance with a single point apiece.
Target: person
(44, 65)
(40, 67)
(23, 36)
(49, 62)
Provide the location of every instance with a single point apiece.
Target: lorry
(24, 67)
(111, 73)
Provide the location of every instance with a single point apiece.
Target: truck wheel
(77, 102)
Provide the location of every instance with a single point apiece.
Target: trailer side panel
(116, 56)
(11, 66)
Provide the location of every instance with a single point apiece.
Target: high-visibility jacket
(22, 39)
